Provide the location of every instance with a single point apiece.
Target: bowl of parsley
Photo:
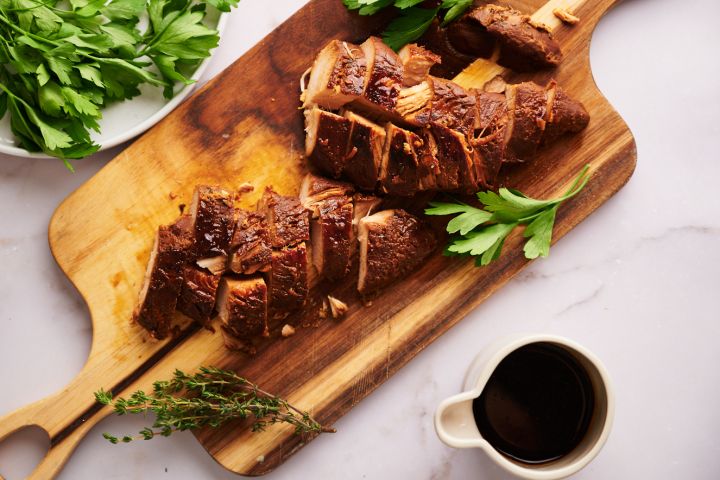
(88, 75)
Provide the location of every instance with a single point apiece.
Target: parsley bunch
(209, 398)
(413, 20)
(62, 62)
(481, 232)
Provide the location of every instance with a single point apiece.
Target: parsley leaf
(409, 26)
(413, 20)
(481, 232)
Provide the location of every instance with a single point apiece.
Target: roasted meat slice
(392, 244)
(363, 205)
(453, 61)
(212, 213)
(327, 137)
(384, 76)
(417, 62)
(491, 108)
(453, 106)
(490, 153)
(242, 305)
(415, 103)
(163, 278)
(250, 247)
(528, 120)
(399, 173)
(315, 190)
(455, 157)
(465, 36)
(365, 156)
(333, 238)
(441, 101)
(567, 115)
(523, 45)
(337, 77)
(429, 165)
(287, 220)
(287, 280)
(197, 297)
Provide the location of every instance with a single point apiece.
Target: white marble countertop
(636, 283)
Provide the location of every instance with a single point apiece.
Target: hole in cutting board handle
(22, 451)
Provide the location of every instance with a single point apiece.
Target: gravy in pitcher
(537, 405)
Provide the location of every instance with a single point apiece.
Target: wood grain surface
(244, 126)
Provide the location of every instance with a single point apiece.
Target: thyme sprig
(210, 398)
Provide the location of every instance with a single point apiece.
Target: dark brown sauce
(537, 405)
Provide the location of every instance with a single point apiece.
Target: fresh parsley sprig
(413, 19)
(61, 63)
(210, 398)
(481, 232)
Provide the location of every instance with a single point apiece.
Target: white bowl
(123, 121)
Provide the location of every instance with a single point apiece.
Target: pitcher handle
(455, 423)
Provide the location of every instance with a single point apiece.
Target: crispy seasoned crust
(213, 217)
(315, 190)
(454, 155)
(452, 106)
(417, 62)
(197, 297)
(453, 61)
(287, 219)
(332, 238)
(523, 45)
(163, 278)
(384, 76)
(528, 122)
(365, 156)
(287, 280)
(327, 137)
(250, 246)
(392, 244)
(243, 307)
(567, 115)
(399, 173)
(338, 76)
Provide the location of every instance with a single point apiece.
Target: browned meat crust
(453, 61)
(338, 75)
(466, 38)
(392, 244)
(417, 62)
(326, 140)
(213, 216)
(288, 221)
(163, 278)
(384, 76)
(567, 115)
(197, 297)
(363, 205)
(529, 121)
(250, 244)
(399, 171)
(523, 45)
(315, 190)
(243, 307)
(287, 280)
(333, 238)
(365, 156)
(454, 155)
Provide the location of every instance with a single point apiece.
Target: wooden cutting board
(244, 126)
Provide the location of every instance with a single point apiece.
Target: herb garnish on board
(415, 16)
(61, 63)
(209, 398)
(481, 232)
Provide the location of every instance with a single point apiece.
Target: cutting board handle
(51, 414)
